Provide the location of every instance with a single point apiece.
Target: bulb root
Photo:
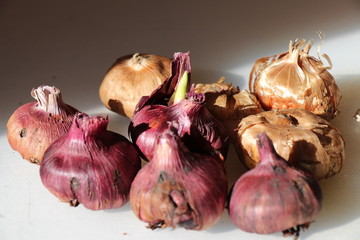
(295, 231)
(159, 224)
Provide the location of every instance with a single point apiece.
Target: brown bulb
(227, 103)
(130, 78)
(295, 79)
(304, 139)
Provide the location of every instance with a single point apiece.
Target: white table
(71, 44)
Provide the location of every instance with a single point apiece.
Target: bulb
(172, 103)
(304, 139)
(178, 188)
(274, 197)
(90, 165)
(35, 125)
(199, 130)
(295, 79)
(227, 103)
(130, 78)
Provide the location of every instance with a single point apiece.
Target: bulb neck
(138, 62)
(294, 55)
(49, 99)
(267, 152)
(85, 127)
(167, 153)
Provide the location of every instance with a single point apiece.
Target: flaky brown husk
(295, 79)
(130, 78)
(227, 103)
(304, 139)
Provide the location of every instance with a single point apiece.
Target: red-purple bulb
(274, 197)
(199, 130)
(178, 188)
(35, 125)
(90, 165)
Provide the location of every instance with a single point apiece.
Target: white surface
(71, 45)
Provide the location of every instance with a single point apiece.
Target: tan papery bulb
(294, 79)
(130, 78)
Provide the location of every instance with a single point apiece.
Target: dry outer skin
(130, 78)
(35, 125)
(227, 103)
(304, 139)
(295, 80)
(271, 189)
(179, 188)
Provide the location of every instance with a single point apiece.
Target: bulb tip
(265, 147)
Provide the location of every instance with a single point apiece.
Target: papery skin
(90, 165)
(228, 104)
(273, 197)
(161, 95)
(295, 80)
(179, 188)
(130, 78)
(198, 128)
(304, 139)
(35, 125)
(200, 131)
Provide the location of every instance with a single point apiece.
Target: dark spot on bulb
(90, 194)
(306, 162)
(162, 68)
(74, 183)
(162, 177)
(298, 187)
(187, 169)
(23, 132)
(117, 176)
(279, 169)
(89, 191)
(323, 138)
(293, 120)
(116, 105)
